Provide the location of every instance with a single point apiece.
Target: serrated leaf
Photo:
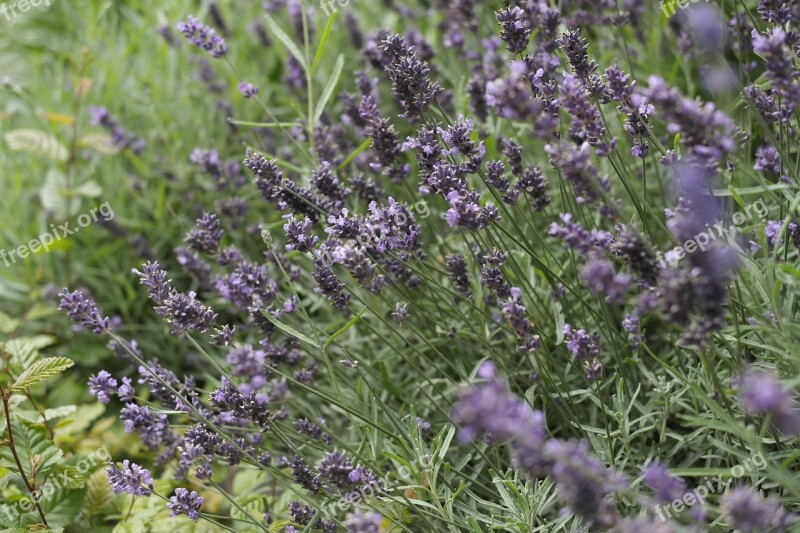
(33, 448)
(98, 493)
(13, 406)
(52, 193)
(287, 41)
(63, 507)
(7, 323)
(133, 525)
(36, 142)
(49, 414)
(23, 353)
(40, 371)
(58, 118)
(254, 505)
(56, 412)
(68, 476)
(100, 142)
(329, 88)
(90, 189)
(81, 419)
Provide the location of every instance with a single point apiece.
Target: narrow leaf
(345, 328)
(323, 41)
(287, 41)
(333, 81)
(366, 144)
(289, 330)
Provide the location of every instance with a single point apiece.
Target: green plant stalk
(28, 485)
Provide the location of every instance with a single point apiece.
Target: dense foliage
(439, 265)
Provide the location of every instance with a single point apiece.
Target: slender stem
(31, 488)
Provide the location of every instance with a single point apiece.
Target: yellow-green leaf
(40, 371)
(36, 142)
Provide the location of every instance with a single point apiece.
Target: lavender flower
(577, 237)
(750, 513)
(768, 159)
(707, 131)
(492, 408)
(631, 324)
(203, 36)
(335, 468)
(457, 268)
(185, 502)
(303, 475)
(465, 210)
(102, 385)
(666, 487)
(411, 85)
(285, 193)
(130, 479)
(423, 425)
(83, 311)
(577, 51)
(599, 277)
(182, 311)
(207, 234)
(762, 394)
(363, 522)
(584, 483)
(209, 160)
(301, 514)
(400, 313)
(247, 90)
(582, 345)
(638, 254)
(153, 429)
(516, 314)
(299, 236)
(385, 143)
(329, 284)
(780, 69)
(100, 116)
(576, 167)
(587, 123)
(126, 392)
(772, 230)
(304, 427)
(534, 185)
(515, 29)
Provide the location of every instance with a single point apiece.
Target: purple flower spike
(761, 394)
(248, 90)
(131, 479)
(84, 312)
(185, 502)
(515, 29)
(102, 385)
(203, 36)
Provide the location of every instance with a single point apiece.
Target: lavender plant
(459, 266)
